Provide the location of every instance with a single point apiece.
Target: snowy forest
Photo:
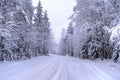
(24, 30)
(87, 49)
(90, 34)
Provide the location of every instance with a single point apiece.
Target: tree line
(89, 34)
(24, 30)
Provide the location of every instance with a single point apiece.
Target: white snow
(56, 67)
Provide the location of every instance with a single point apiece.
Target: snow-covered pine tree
(23, 20)
(46, 34)
(27, 10)
(15, 22)
(42, 26)
(7, 40)
(69, 44)
(38, 24)
(38, 18)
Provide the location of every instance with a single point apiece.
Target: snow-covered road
(55, 68)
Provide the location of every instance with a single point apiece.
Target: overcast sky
(58, 11)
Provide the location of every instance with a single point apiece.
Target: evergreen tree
(8, 8)
(69, 39)
(14, 22)
(46, 34)
(42, 26)
(38, 24)
(38, 19)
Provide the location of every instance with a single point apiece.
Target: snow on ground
(55, 67)
(109, 67)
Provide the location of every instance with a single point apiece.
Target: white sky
(58, 12)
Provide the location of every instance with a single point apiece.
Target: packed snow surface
(57, 68)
